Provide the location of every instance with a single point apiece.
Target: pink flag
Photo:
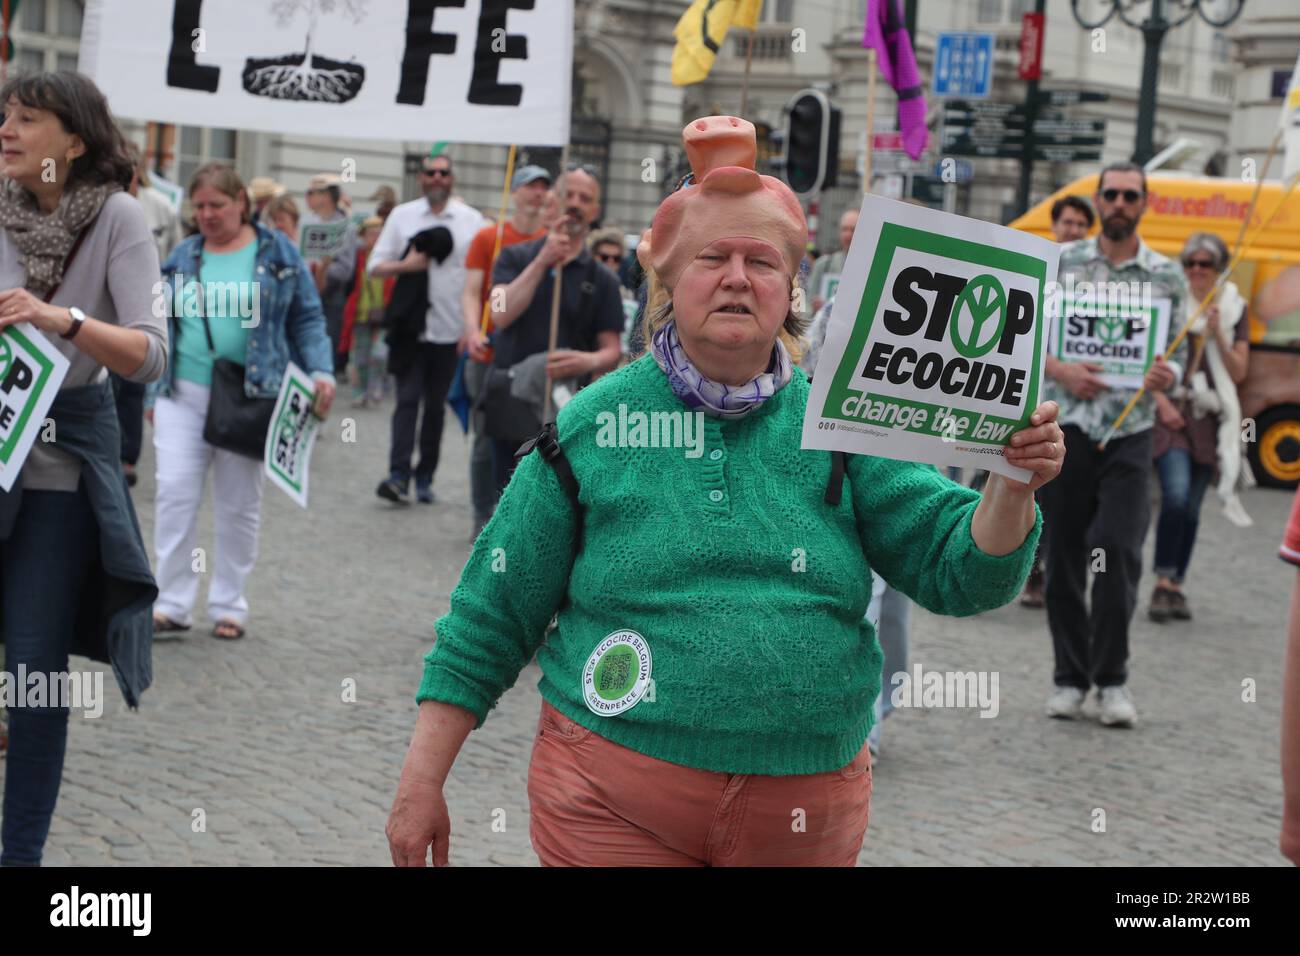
(886, 33)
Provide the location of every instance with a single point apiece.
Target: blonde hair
(281, 204)
(223, 179)
(659, 312)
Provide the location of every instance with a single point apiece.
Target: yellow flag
(747, 12)
(700, 33)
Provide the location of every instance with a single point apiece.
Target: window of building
(1171, 74)
(782, 11)
(199, 146)
(1018, 9)
(1223, 85)
(29, 61)
(70, 19)
(989, 11)
(31, 16)
(1220, 48)
(47, 34)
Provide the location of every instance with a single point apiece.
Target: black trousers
(425, 381)
(1098, 509)
(130, 416)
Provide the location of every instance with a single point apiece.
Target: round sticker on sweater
(617, 674)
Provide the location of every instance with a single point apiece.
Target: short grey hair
(1205, 242)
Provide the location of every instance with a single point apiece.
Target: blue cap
(528, 174)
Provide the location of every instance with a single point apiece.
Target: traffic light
(812, 142)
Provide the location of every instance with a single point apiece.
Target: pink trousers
(596, 803)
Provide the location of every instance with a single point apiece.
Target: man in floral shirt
(1097, 512)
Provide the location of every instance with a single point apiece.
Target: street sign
(929, 190)
(1031, 47)
(1015, 149)
(1067, 154)
(963, 64)
(1070, 97)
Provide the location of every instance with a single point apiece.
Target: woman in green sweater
(708, 684)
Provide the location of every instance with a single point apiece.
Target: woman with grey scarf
(77, 270)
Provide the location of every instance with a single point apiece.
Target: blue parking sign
(963, 65)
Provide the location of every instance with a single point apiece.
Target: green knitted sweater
(748, 589)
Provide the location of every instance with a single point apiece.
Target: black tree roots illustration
(306, 76)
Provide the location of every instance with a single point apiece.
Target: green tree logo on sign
(978, 316)
(6, 357)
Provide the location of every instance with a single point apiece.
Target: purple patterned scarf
(714, 398)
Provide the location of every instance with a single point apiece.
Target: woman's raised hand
(1040, 448)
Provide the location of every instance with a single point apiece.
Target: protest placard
(319, 240)
(31, 371)
(292, 435)
(1121, 336)
(936, 342)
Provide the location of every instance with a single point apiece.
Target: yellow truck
(1268, 276)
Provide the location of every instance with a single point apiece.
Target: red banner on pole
(1031, 46)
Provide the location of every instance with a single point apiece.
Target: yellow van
(1180, 204)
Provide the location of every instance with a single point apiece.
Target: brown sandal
(228, 630)
(165, 625)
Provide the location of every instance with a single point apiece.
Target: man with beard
(591, 306)
(1098, 509)
(425, 376)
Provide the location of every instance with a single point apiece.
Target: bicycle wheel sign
(31, 371)
(936, 341)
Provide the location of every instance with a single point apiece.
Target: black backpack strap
(835, 483)
(547, 444)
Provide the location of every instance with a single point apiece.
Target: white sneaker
(1065, 702)
(1117, 708)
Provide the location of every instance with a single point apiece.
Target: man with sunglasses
(426, 375)
(1098, 510)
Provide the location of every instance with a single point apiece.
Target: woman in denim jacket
(263, 312)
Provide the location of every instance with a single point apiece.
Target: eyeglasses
(1131, 196)
(590, 170)
(1199, 264)
(445, 173)
(608, 257)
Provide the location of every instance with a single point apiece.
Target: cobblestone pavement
(256, 733)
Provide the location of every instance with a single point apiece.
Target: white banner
(484, 72)
(937, 340)
(31, 371)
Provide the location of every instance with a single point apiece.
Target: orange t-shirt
(479, 255)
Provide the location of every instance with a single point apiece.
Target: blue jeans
(891, 612)
(44, 566)
(1182, 486)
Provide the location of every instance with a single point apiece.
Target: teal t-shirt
(231, 297)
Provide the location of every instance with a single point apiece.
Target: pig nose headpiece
(729, 200)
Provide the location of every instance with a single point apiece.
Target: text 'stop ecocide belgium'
(936, 342)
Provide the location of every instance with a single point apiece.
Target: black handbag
(234, 421)
(506, 417)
